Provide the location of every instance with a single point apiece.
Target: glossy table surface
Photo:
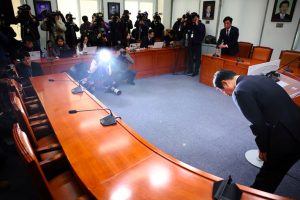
(115, 162)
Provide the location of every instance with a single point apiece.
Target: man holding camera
(121, 61)
(29, 25)
(72, 28)
(54, 23)
(158, 27)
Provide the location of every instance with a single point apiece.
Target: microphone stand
(108, 120)
(76, 90)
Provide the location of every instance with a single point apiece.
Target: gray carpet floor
(195, 124)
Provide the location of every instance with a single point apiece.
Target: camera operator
(157, 27)
(99, 31)
(121, 61)
(29, 25)
(54, 23)
(8, 42)
(195, 34)
(142, 25)
(72, 28)
(126, 24)
(116, 28)
(85, 26)
(103, 72)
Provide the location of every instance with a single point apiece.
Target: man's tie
(227, 32)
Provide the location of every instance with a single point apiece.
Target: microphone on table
(108, 120)
(76, 90)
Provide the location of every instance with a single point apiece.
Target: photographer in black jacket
(72, 28)
(29, 25)
(157, 27)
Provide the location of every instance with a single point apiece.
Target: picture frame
(283, 10)
(208, 10)
(41, 7)
(113, 9)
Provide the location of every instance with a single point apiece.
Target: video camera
(98, 17)
(24, 11)
(125, 16)
(156, 17)
(69, 17)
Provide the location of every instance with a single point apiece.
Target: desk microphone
(76, 90)
(108, 120)
(239, 60)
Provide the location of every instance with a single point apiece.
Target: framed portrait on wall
(113, 9)
(283, 10)
(42, 7)
(208, 10)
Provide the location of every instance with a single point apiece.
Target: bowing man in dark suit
(149, 40)
(228, 39)
(275, 122)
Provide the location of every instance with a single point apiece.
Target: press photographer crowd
(115, 36)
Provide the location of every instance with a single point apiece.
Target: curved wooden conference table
(115, 162)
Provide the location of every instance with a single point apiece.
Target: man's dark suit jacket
(231, 41)
(146, 42)
(276, 17)
(274, 116)
(25, 72)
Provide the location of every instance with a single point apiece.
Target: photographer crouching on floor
(111, 68)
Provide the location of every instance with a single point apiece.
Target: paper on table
(282, 84)
(295, 94)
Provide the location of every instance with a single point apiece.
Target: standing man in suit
(275, 123)
(228, 39)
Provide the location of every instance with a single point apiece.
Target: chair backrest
(27, 154)
(292, 59)
(262, 53)
(18, 89)
(22, 117)
(245, 49)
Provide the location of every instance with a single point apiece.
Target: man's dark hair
(284, 2)
(27, 38)
(24, 54)
(85, 18)
(221, 76)
(59, 37)
(227, 18)
(151, 31)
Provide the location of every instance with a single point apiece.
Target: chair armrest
(46, 149)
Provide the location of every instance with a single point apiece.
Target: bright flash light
(104, 55)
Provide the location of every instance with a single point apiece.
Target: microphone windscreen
(51, 80)
(72, 111)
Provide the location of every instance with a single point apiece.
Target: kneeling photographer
(121, 61)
